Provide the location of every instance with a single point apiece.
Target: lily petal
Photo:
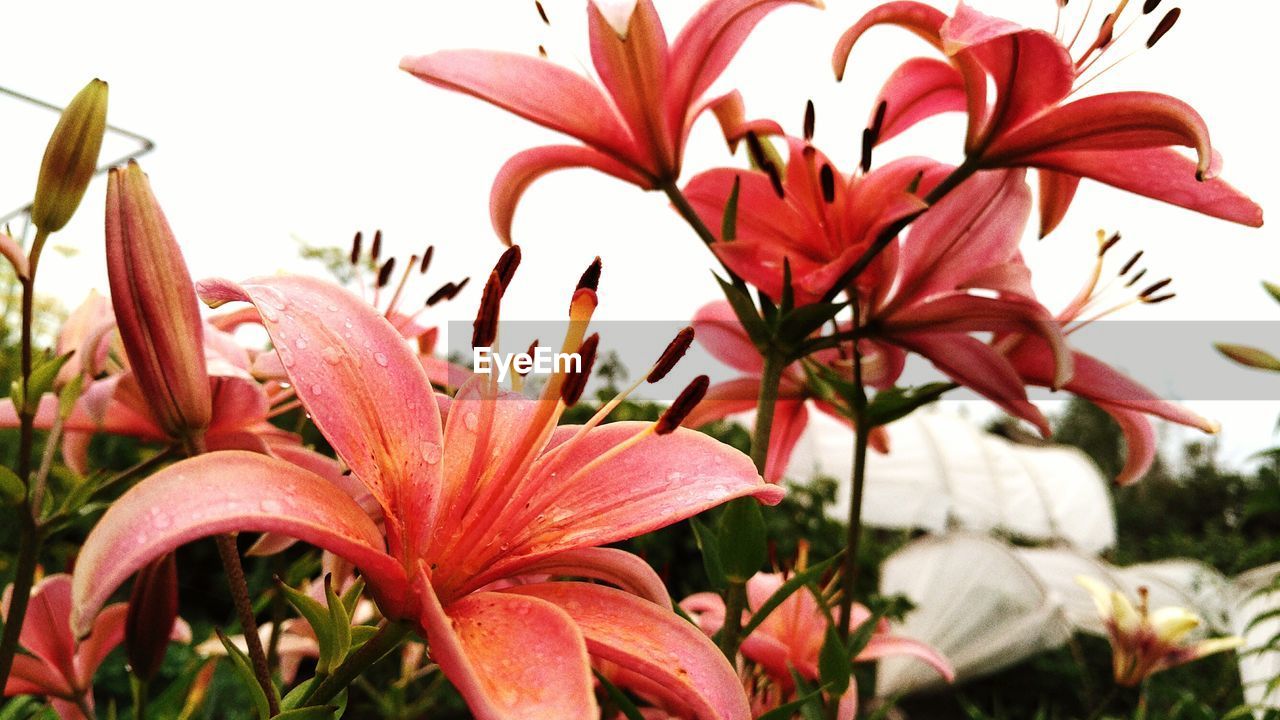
(707, 43)
(883, 645)
(535, 89)
(633, 68)
(646, 639)
(1160, 173)
(107, 634)
(789, 420)
(919, 89)
(1057, 190)
(511, 657)
(924, 20)
(616, 567)
(225, 492)
(47, 632)
(523, 168)
(31, 676)
(725, 399)
(718, 329)
(364, 388)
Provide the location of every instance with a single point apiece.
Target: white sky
(289, 118)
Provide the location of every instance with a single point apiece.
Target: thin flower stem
(682, 206)
(770, 379)
(384, 641)
(30, 537)
(230, 557)
(735, 602)
(40, 484)
(862, 432)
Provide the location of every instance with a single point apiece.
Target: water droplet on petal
(431, 453)
(317, 389)
(300, 343)
(270, 506)
(380, 358)
(471, 421)
(331, 355)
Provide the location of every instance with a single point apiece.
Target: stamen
(1166, 24)
(533, 347)
(1157, 287)
(506, 266)
(1134, 280)
(1149, 6)
(542, 51)
(356, 242)
(542, 12)
(404, 280)
(676, 349)
(827, 178)
(426, 259)
(444, 292)
(683, 405)
(1110, 243)
(775, 179)
(485, 329)
(871, 135)
(576, 381)
(1158, 300)
(809, 120)
(384, 274)
(1132, 261)
(375, 252)
(590, 279)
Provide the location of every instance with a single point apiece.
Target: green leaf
(743, 545)
(742, 306)
(339, 620)
(834, 665)
(862, 634)
(352, 596)
(1249, 356)
(240, 662)
(788, 292)
(785, 712)
(709, 544)
(793, 583)
(321, 622)
(43, 373)
(12, 489)
(803, 321)
(896, 403)
(729, 223)
(625, 706)
(325, 712)
(69, 395)
(808, 711)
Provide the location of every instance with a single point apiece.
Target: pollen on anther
(384, 273)
(676, 349)
(356, 243)
(1163, 28)
(575, 382)
(682, 406)
(485, 328)
(590, 279)
(507, 265)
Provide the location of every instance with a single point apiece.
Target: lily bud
(71, 158)
(155, 306)
(153, 608)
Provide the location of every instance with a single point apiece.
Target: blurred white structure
(1253, 599)
(988, 605)
(944, 472)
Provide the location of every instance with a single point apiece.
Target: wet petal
(919, 89)
(921, 19)
(616, 567)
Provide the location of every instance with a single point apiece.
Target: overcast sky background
(290, 119)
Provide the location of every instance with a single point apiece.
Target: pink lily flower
(1124, 139)
(58, 666)
(720, 332)
(926, 293)
(1127, 401)
(792, 635)
(634, 123)
(496, 491)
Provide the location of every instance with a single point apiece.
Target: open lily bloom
(720, 331)
(792, 635)
(1016, 84)
(1120, 396)
(496, 491)
(59, 667)
(634, 123)
(1143, 642)
(928, 292)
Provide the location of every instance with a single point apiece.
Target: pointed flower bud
(70, 158)
(155, 306)
(153, 608)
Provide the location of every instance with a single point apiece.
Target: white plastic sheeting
(987, 605)
(1252, 600)
(943, 472)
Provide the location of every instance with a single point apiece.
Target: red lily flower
(494, 491)
(791, 637)
(58, 666)
(635, 126)
(1124, 139)
(926, 293)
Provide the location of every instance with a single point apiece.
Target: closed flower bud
(156, 308)
(153, 609)
(70, 158)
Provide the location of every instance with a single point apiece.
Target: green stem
(1106, 701)
(383, 642)
(770, 379)
(862, 433)
(30, 536)
(230, 557)
(735, 602)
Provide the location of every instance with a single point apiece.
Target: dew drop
(300, 343)
(380, 358)
(286, 357)
(331, 355)
(471, 421)
(270, 506)
(431, 453)
(317, 389)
